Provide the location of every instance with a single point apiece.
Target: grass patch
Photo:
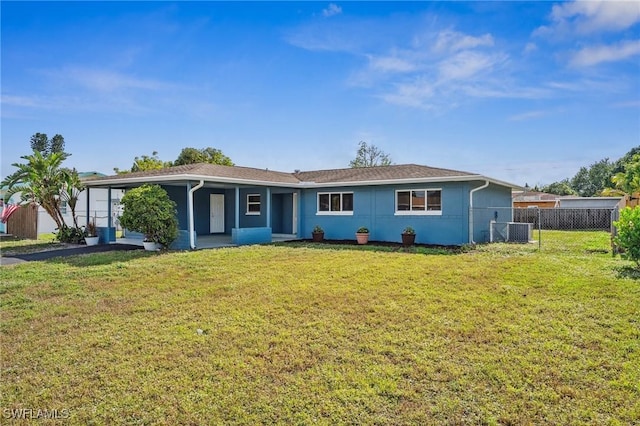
(504, 334)
(11, 246)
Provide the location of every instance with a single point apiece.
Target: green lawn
(301, 334)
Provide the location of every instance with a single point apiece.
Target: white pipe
(486, 184)
(192, 236)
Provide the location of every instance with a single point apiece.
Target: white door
(216, 219)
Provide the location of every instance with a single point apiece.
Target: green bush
(149, 210)
(628, 237)
(70, 234)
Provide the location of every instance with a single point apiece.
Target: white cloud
(530, 47)
(587, 17)
(452, 41)
(107, 81)
(467, 64)
(331, 10)
(391, 64)
(594, 55)
(528, 115)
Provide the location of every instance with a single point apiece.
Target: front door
(216, 219)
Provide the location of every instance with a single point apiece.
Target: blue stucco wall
(491, 203)
(374, 207)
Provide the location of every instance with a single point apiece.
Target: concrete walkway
(50, 254)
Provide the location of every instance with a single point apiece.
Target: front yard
(300, 334)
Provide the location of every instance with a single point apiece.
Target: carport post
(237, 224)
(88, 198)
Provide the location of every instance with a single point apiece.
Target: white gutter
(486, 184)
(192, 236)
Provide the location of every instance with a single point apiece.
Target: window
(253, 204)
(63, 207)
(336, 203)
(419, 202)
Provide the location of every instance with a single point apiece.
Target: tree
(559, 188)
(591, 181)
(370, 156)
(149, 210)
(628, 180)
(203, 155)
(628, 236)
(41, 143)
(42, 180)
(145, 163)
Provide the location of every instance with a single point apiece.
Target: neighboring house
(98, 208)
(525, 199)
(591, 202)
(251, 205)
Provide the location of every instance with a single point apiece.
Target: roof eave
(183, 177)
(235, 181)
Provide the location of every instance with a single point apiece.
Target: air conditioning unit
(520, 232)
(513, 232)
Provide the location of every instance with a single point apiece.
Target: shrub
(628, 237)
(70, 234)
(149, 210)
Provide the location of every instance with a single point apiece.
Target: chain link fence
(504, 224)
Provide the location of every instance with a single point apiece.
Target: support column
(237, 212)
(88, 205)
(268, 207)
(109, 218)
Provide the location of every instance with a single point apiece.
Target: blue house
(251, 205)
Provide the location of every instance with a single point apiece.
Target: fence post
(539, 230)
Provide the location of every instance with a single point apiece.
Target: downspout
(192, 237)
(486, 184)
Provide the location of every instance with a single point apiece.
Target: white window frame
(253, 203)
(336, 212)
(426, 211)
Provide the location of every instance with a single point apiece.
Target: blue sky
(519, 91)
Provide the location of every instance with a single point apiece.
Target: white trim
(253, 203)
(341, 213)
(418, 213)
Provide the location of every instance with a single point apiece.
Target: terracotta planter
(408, 239)
(317, 237)
(362, 238)
(91, 241)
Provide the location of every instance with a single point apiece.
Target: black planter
(408, 239)
(317, 237)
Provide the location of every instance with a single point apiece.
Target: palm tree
(42, 180)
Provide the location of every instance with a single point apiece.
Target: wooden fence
(23, 223)
(566, 219)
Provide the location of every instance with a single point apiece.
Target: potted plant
(408, 236)
(317, 234)
(149, 210)
(90, 234)
(362, 235)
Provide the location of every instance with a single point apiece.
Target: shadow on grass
(628, 272)
(377, 246)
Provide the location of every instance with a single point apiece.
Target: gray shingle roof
(239, 174)
(213, 170)
(401, 171)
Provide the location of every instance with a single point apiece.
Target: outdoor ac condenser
(513, 232)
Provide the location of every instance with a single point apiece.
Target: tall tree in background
(559, 188)
(41, 143)
(203, 155)
(591, 181)
(628, 180)
(145, 163)
(370, 156)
